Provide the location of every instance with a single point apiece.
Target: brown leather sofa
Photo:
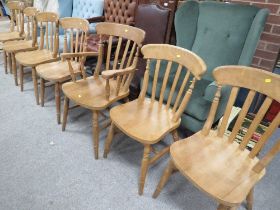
(153, 19)
(117, 11)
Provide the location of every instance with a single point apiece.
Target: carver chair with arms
(58, 72)
(48, 48)
(28, 44)
(149, 119)
(214, 162)
(98, 92)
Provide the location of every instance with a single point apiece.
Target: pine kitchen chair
(59, 72)
(48, 52)
(216, 164)
(98, 92)
(149, 120)
(16, 29)
(28, 44)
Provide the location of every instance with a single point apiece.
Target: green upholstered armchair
(221, 34)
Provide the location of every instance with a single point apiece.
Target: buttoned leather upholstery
(87, 9)
(117, 11)
(120, 11)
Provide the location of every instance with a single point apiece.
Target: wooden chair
(48, 48)
(98, 92)
(16, 29)
(149, 119)
(28, 44)
(216, 164)
(59, 72)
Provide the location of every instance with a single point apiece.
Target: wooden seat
(90, 93)
(34, 58)
(220, 169)
(214, 162)
(17, 46)
(157, 118)
(47, 50)
(149, 120)
(9, 36)
(57, 71)
(60, 72)
(97, 93)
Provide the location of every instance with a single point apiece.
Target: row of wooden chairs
(216, 164)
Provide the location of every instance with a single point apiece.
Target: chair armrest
(113, 73)
(80, 54)
(211, 89)
(96, 19)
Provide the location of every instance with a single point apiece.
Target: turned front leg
(144, 168)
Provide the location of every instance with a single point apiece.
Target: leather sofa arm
(96, 19)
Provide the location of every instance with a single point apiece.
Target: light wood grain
(216, 164)
(149, 120)
(97, 93)
(43, 54)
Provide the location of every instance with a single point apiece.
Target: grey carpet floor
(42, 167)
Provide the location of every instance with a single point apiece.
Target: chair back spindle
(186, 63)
(48, 26)
(123, 46)
(29, 20)
(16, 15)
(75, 39)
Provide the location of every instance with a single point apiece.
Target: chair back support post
(49, 26)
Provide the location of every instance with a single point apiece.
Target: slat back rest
(29, 21)
(16, 14)
(125, 56)
(47, 23)
(75, 31)
(256, 81)
(189, 64)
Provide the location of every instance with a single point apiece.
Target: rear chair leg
(144, 168)
(14, 66)
(175, 135)
(10, 62)
(65, 112)
(35, 83)
(250, 198)
(42, 91)
(5, 62)
(95, 133)
(223, 207)
(57, 101)
(164, 178)
(108, 141)
(21, 77)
